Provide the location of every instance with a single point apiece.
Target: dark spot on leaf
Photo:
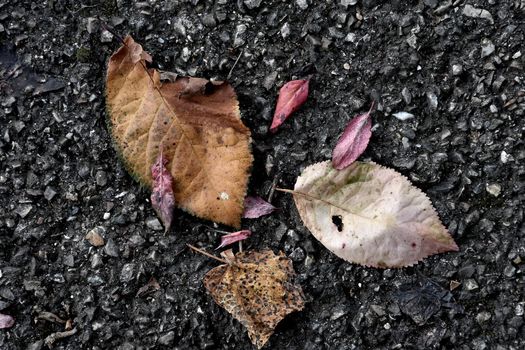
(338, 221)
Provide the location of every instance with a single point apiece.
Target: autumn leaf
(6, 321)
(255, 207)
(369, 215)
(162, 198)
(257, 288)
(202, 135)
(233, 237)
(353, 141)
(291, 96)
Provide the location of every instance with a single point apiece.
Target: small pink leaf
(162, 198)
(255, 207)
(353, 141)
(234, 237)
(291, 96)
(6, 321)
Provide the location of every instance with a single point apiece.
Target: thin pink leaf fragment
(234, 237)
(353, 141)
(255, 207)
(162, 198)
(6, 321)
(291, 96)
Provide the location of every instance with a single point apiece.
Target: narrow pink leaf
(255, 207)
(234, 237)
(353, 141)
(162, 198)
(291, 96)
(6, 321)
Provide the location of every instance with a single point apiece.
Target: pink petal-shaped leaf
(353, 141)
(255, 207)
(162, 198)
(234, 237)
(6, 321)
(291, 96)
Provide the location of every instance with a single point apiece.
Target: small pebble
(91, 24)
(487, 48)
(483, 317)
(252, 4)
(106, 37)
(457, 69)
(302, 4)
(111, 249)
(127, 272)
(471, 11)
(471, 284)
(239, 39)
(493, 189)
(504, 157)
(407, 96)
(167, 339)
(509, 271)
(350, 37)
(285, 30)
(339, 312)
(347, 3)
(519, 310)
(454, 284)
(23, 210)
(403, 115)
(49, 193)
(297, 255)
(101, 178)
(96, 261)
(94, 236)
(154, 224)
(432, 100)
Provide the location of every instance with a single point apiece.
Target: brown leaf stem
(203, 252)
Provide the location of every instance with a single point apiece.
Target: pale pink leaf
(255, 207)
(162, 198)
(6, 321)
(353, 141)
(370, 215)
(234, 237)
(291, 96)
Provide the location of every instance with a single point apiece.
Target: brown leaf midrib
(179, 125)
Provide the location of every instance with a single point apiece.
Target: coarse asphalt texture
(455, 65)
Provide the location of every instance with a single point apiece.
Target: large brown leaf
(201, 134)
